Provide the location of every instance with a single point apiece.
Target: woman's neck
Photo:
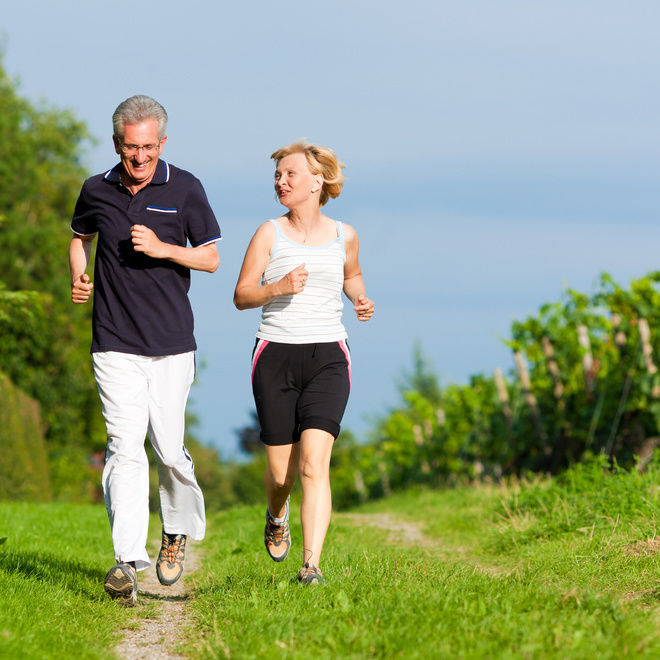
(304, 217)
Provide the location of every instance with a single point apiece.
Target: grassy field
(564, 568)
(52, 567)
(530, 570)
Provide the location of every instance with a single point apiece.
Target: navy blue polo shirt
(141, 304)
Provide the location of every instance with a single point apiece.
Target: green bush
(23, 461)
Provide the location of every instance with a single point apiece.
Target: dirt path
(399, 531)
(156, 637)
(405, 532)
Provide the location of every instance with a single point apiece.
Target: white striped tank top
(313, 315)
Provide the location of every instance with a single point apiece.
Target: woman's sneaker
(309, 574)
(276, 535)
(171, 557)
(121, 584)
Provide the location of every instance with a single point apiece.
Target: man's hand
(81, 289)
(146, 241)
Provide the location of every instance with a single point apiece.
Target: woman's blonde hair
(320, 160)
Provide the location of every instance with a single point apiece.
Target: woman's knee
(313, 470)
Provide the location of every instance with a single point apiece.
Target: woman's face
(293, 180)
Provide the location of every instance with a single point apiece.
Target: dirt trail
(404, 532)
(399, 531)
(157, 637)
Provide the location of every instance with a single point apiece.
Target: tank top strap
(278, 237)
(340, 233)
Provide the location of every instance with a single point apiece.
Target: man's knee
(173, 458)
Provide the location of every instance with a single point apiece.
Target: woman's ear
(318, 184)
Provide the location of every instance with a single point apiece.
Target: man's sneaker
(276, 536)
(121, 584)
(309, 574)
(169, 564)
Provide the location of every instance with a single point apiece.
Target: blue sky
(497, 152)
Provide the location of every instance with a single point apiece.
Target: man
(144, 212)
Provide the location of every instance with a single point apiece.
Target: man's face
(139, 150)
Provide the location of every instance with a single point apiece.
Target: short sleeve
(84, 218)
(200, 221)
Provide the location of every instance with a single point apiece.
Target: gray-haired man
(154, 224)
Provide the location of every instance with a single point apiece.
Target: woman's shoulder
(347, 229)
(268, 228)
(349, 232)
(265, 234)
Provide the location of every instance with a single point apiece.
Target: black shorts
(298, 387)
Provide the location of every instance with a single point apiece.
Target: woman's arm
(249, 292)
(353, 283)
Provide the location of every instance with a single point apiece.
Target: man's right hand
(81, 289)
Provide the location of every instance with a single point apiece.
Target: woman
(295, 269)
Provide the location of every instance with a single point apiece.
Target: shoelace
(308, 570)
(274, 532)
(172, 548)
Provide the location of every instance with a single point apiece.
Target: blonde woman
(295, 269)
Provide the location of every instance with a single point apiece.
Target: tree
(44, 339)
(249, 436)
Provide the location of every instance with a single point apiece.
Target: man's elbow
(213, 264)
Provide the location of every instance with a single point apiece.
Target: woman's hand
(293, 282)
(364, 308)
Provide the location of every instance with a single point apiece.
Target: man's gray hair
(137, 109)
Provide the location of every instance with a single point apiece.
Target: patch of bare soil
(399, 531)
(644, 548)
(404, 532)
(157, 637)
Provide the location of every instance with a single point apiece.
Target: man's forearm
(80, 250)
(204, 257)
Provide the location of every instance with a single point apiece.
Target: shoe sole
(120, 587)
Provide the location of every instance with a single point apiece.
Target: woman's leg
(280, 476)
(314, 466)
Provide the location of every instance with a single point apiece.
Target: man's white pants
(143, 395)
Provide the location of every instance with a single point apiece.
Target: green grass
(562, 568)
(547, 569)
(52, 567)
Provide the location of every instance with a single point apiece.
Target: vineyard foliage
(585, 383)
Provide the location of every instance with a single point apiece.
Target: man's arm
(80, 249)
(204, 257)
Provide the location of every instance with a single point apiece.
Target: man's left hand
(146, 241)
